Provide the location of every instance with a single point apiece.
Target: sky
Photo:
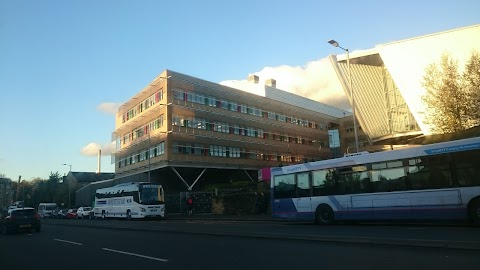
(65, 66)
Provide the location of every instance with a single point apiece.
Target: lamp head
(333, 43)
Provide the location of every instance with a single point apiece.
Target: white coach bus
(436, 181)
(130, 200)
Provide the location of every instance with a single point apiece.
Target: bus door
(304, 201)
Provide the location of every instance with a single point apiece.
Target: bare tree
(449, 98)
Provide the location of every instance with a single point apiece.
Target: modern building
(387, 82)
(185, 132)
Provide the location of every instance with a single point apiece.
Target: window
(467, 169)
(272, 115)
(385, 180)
(212, 101)
(233, 106)
(303, 184)
(221, 127)
(160, 149)
(176, 120)
(428, 173)
(143, 155)
(199, 149)
(234, 152)
(218, 151)
(242, 108)
(284, 186)
(322, 182)
(281, 118)
(178, 94)
(224, 104)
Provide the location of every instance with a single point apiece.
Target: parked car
(45, 210)
(17, 219)
(62, 213)
(54, 213)
(71, 213)
(84, 212)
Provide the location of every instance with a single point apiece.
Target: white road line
(70, 242)
(133, 254)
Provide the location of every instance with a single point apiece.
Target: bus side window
(303, 185)
(285, 186)
(319, 183)
(367, 185)
(467, 170)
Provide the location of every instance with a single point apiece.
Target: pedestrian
(258, 203)
(263, 203)
(189, 205)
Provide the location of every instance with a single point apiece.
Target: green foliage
(471, 79)
(452, 99)
(54, 178)
(39, 190)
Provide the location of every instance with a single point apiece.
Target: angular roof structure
(387, 80)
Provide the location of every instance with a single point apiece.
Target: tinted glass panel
(284, 186)
(28, 212)
(467, 168)
(303, 185)
(325, 183)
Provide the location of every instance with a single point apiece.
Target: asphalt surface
(74, 247)
(436, 235)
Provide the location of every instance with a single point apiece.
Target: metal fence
(202, 202)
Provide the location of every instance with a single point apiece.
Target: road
(80, 247)
(406, 235)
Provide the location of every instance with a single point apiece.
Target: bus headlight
(143, 209)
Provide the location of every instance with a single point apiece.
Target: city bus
(130, 200)
(428, 182)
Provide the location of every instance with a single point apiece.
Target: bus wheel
(474, 211)
(129, 214)
(103, 214)
(324, 215)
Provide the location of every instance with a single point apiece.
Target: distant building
(77, 181)
(6, 192)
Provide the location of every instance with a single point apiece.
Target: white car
(84, 212)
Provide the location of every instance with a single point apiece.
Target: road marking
(133, 254)
(70, 242)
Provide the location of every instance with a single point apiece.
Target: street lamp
(68, 183)
(335, 44)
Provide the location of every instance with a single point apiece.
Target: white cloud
(91, 149)
(109, 107)
(316, 80)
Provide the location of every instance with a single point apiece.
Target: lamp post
(335, 44)
(68, 183)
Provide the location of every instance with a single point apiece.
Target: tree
(452, 99)
(471, 79)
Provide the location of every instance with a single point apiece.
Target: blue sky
(61, 60)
